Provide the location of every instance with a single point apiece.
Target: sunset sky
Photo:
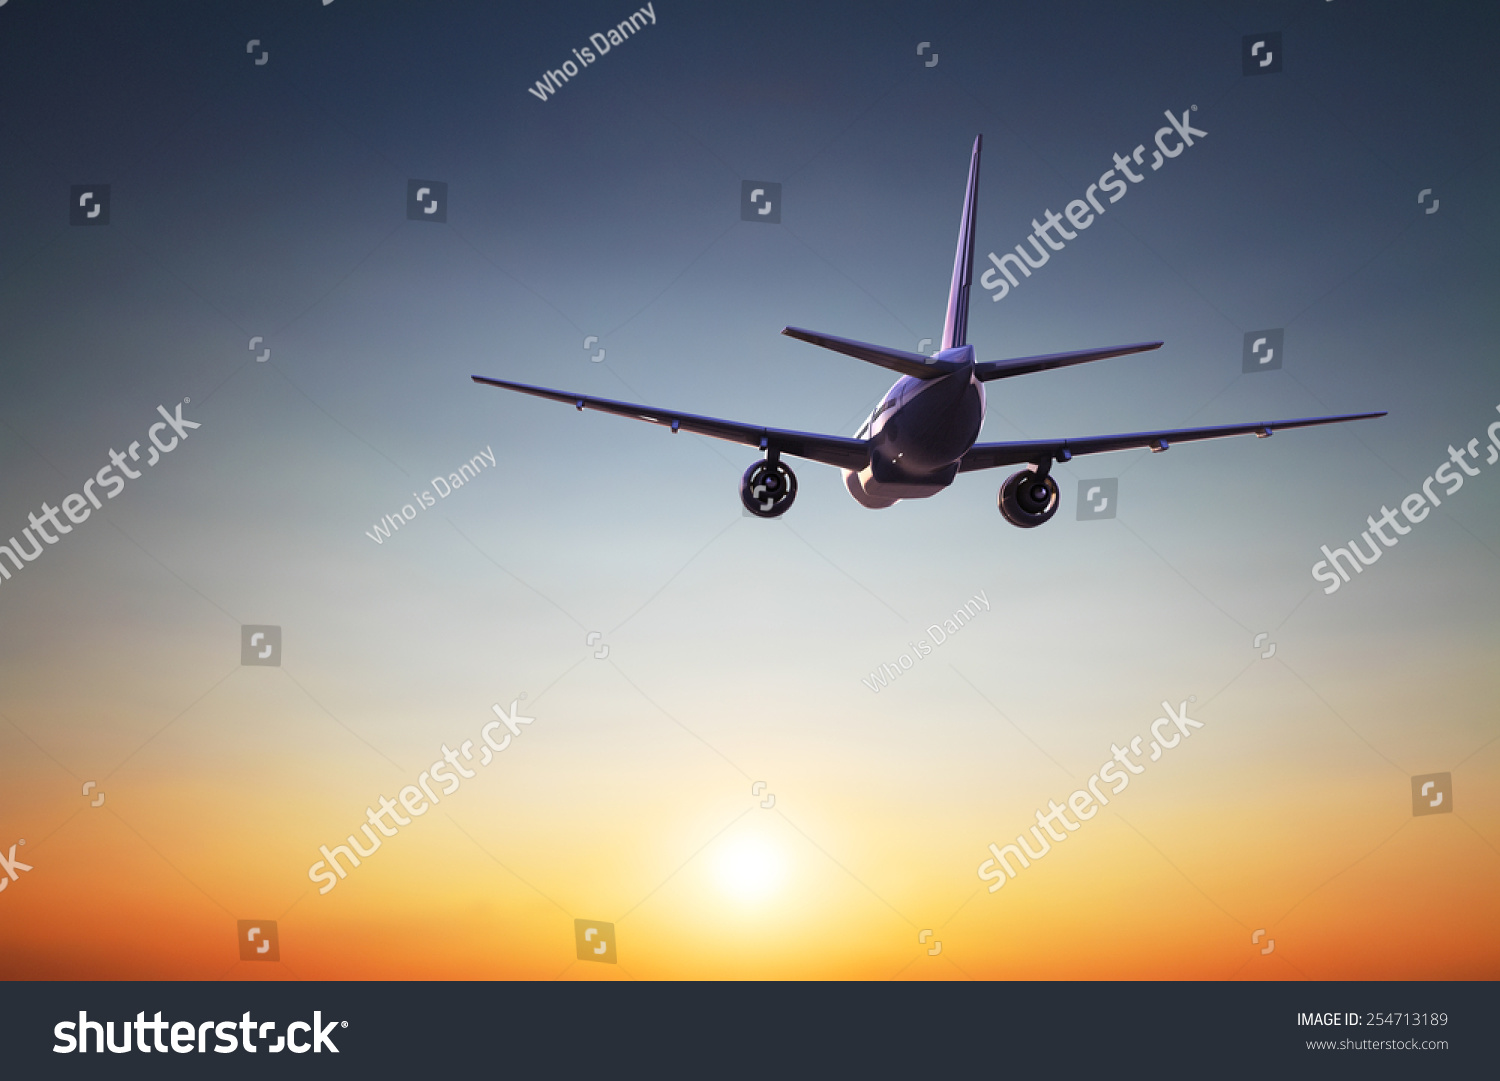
(705, 769)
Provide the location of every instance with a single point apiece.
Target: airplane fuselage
(918, 433)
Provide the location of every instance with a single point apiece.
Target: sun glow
(750, 868)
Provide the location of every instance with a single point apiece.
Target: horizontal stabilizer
(1004, 369)
(897, 360)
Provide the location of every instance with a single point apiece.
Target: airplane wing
(828, 449)
(990, 455)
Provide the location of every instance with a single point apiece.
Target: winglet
(956, 326)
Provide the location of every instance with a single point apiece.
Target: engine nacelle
(1028, 499)
(768, 488)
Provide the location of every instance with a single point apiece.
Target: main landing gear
(768, 487)
(1030, 497)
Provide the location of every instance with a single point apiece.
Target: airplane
(924, 431)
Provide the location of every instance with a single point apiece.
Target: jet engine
(1028, 498)
(768, 488)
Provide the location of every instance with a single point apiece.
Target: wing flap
(992, 455)
(829, 449)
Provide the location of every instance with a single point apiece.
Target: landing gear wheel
(1027, 500)
(768, 488)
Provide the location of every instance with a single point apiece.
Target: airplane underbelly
(878, 486)
(875, 500)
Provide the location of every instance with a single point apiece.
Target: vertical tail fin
(956, 327)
